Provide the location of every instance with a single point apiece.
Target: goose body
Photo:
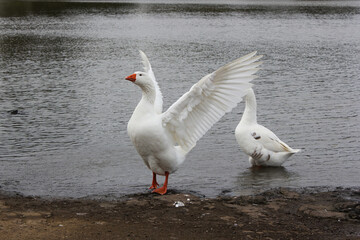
(261, 144)
(152, 142)
(163, 139)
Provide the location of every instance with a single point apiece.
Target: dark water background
(62, 67)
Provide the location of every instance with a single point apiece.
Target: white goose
(262, 145)
(164, 139)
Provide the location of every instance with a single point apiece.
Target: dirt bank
(275, 214)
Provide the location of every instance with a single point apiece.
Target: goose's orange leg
(163, 189)
(154, 184)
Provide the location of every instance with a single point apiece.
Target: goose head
(145, 82)
(140, 78)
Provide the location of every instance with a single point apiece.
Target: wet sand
(275, 214)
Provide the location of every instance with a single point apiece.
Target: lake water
(62, 66)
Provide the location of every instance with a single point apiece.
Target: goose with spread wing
(261, 144)
(163, 139)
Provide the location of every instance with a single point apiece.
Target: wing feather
(149, 71)
(272, 142)
(193, 114)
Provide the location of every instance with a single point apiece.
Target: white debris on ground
(178, 204)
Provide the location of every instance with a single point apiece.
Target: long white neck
(249, 115)
(145, 107)
(148, 94)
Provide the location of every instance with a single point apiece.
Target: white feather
(148, 70)
(261, 144)
(189, 118)
(164, 139)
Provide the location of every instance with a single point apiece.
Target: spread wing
(149, 71)
(193, 114)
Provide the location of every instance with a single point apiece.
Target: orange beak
(131, 77)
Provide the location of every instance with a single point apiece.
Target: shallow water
(62, 66)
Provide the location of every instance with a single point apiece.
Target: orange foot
(163, 189)
(154, 184)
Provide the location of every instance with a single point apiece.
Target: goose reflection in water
(258, 179)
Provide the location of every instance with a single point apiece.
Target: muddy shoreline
(274, 214)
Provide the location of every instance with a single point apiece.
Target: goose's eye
(140, 74)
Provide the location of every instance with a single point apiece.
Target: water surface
(62, 66)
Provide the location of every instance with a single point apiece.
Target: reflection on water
(65, 104)
(258, 179)
(258, 174)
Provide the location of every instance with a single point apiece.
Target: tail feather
(295, 150)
